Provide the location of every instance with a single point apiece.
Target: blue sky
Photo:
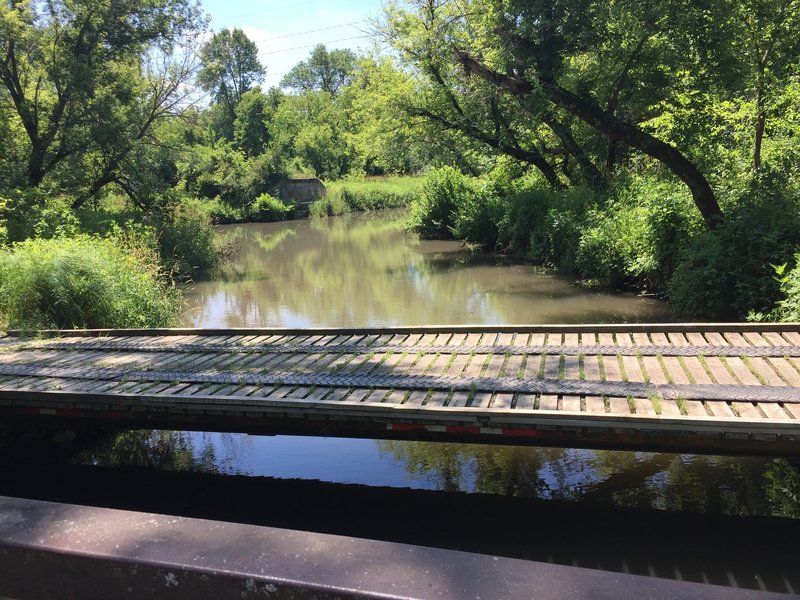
(286, 31)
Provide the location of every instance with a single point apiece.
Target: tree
(769, 38)
(323, 71)
(230, 68)
(566, 60)
(68, 64)
(253, 115)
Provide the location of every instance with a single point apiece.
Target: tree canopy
(230, 67)
(87, 82)
(326, 71)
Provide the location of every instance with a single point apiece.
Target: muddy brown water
(365, 270)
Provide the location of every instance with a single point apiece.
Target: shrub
(726, 273)
(82, 282)
(328, 206)
(433, 212)
(30, 213)
(372, 193)
(478, 218)
(185, 242)
(267, 208)
(636, 239)
(788, 308)
(544, 226)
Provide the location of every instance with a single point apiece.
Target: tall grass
(370, 193)
(83, 281)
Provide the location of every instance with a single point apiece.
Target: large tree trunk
(613, 127)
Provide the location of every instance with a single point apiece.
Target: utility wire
(298, 33)
(358, 37)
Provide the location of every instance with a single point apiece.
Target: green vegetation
(83, 281)
(362, 194)
(631, 148)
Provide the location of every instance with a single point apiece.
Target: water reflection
(365, 270)
(714, 485)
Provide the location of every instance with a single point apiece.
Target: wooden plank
(591, 367)
(513, 367)
(475, 365)
(554, 339)
(458, 365)
(746, 410)
(618, 406)
(640, 338)
(773, 411)
(521, 339)
(473, 339)
(694, 408)
(735, 339)
(502, 401)
(786, 371)
(457, 339)
(715, 339)
(644, 406)
(673, 370)
(755, 339)
(595, 405)
(548, 402)
(480, 400)
(571, 339)
(438, 398)
(571, 368)
(695, 369)
(654, 371)
(459, 399)
(677, 339)
(606, 339)
(525, 401)
(792, 409)
(792, 337)
(551, 366)
(670, 409)
(773, 338)
(537, 339)
(696, 338)
(632, 369)
(571, 403)
(505, 339)
(764, 372)
(660, 339)
(718, 371)
(417, 397)
(740, 371)
(611, 367)
(720, 409)
(496, 363)
(624, 339)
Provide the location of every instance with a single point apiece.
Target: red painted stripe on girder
(463, 429)
(532, 432)
(405, 427)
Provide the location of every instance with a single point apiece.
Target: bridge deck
(722, 388)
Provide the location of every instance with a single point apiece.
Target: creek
(718, 519)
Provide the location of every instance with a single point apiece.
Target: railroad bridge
(702, 388)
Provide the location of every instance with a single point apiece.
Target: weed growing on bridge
(601, 367)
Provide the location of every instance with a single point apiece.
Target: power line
(358, 37)
(298, 33)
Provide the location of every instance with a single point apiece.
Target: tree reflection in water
(706, 484)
